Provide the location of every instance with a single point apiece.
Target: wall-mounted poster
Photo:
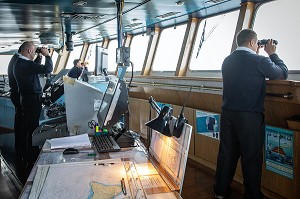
(279, 151)
(208, 124)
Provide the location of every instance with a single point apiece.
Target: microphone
(180, 121)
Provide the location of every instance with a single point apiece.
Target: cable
(209, 33)
(214, 27)
(202, 39)
(62, 31)
(129, 84)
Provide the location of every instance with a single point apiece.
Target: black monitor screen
(113, 105)
(101, 60)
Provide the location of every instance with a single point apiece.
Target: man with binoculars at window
(242, 118)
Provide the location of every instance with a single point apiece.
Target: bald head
(28, 49)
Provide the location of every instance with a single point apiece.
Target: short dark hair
(76, 61)
(245, 36)
(26, 45)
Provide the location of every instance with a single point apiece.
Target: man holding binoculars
(242, 118)
(26, 73)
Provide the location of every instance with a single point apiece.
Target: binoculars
(265, 41)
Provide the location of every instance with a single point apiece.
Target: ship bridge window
(138, 50)
(91, 56)
(282, 26)
(75, 54)
(4, 63)
(168, 49)
(111, 51)
(218, 37)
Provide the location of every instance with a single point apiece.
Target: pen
(123, 186)
(104, 164)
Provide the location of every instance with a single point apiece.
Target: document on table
(76, 141)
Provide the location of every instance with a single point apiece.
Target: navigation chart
(80, 180)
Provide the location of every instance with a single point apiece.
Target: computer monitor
(101, 63)
(113, 104)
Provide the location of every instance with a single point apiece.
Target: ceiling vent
(82, 16)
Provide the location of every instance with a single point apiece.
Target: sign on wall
(279, 151)
(208, 124)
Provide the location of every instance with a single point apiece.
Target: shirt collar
(246, 49)
(23, 57)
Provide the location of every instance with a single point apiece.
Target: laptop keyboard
(105, 143)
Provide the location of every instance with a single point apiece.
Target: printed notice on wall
(279, 151)
(208, 124)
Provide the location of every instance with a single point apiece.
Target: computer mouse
(68, 151)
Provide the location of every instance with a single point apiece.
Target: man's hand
(270, 47)
(44, 51)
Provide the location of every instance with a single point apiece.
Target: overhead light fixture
(44, 29)
(133, 25)
(214, 1)
(83, 16)
(66, 15)
(166, 15)
(134, 19)
(55, 22)
(79, 3)
(180, 3)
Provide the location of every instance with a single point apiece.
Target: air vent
(82, 16)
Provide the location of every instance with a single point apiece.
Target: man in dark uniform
(15, 98)
(77, 69)
(242, 119)
(26, 73)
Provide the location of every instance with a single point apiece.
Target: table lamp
(161, 123)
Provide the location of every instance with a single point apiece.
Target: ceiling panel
(26, 20)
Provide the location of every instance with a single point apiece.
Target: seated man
(76, 71)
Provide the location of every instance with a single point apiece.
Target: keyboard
(105, 143)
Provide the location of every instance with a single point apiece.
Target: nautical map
(88, 180)
(100, 190)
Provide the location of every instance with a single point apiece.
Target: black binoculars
(39, 50)
(265, 41)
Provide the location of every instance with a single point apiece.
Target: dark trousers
(31, 109)
(242, 135)
(15, 98)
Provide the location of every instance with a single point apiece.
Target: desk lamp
(161, 123)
